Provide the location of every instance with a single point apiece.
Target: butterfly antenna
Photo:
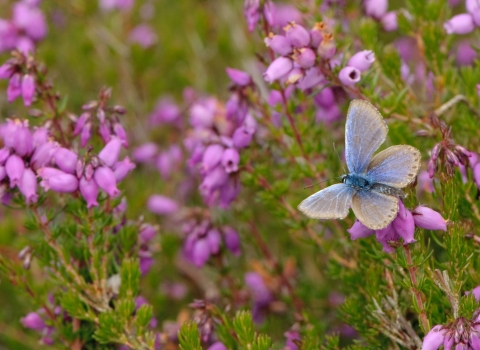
(315, 184)
(344, 171)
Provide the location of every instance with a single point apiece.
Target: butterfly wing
(332, 202)
(365, 131)
(374, 210)
(396, 166)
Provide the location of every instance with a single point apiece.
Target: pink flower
(389, 21)
(14, 88)
(33, 321)
(89, 191)
(297, 35)
(460, 24)
(434, 339)
(278, 69)
(238, 77)
(105, 179)
(110, 153)
(28, 186)
(230, 159)
(143, 35)
(14, 168)
(304, 57)
(162, 205)
(376, 8)
(362, 60)
(429, 219)
(279, 44)
(28, 89)
(66, 160)
(349, 76)
(211, 157)
(358, 230)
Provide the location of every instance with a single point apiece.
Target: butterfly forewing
(396, 166)
(365, 131)
(374, 210)
(330, 203)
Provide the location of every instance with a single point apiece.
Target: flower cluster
(107, 118)
(254, 9)
(452, 155)
(298, 50)
(215, 144)
(460, 334)
(26, 27)
(23, 155)
(204, 239)
(402, 227)
(88, 175)
(464, 23)
(21, 80)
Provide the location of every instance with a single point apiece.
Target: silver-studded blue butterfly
(373, 187)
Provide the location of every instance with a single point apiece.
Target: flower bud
(62, 183)
(86, 134)
(327, 47)
(146, 261)
(429, 219)
(460, 24)
(80, 124)
(214, 240)
(297, 35)
(436, 151)
(200, 252)
(389, 21)
(162, 205)
(451, 157)
(145, 153)
(28, 89)
(43, 155)
(104, 131)
(22, 139)
(147, 232)
(472, 5)
(121, 133)
(349, 76)
(432, 167)
(89, 191)
(362, 60)
(279, 44)
(105, 179)
(232, 240)
(6, 70)
(214, 179)
(66, 160)
(278, 69)
(14, 88)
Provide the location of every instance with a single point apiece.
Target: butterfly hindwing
(365, 131)
(374, 210)
(396, 166)
(332, 202)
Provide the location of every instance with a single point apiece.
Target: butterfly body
(373, 186)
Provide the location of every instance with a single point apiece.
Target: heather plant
(153, 155)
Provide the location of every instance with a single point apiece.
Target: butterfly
(373, 187)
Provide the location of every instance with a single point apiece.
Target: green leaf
(189, 337)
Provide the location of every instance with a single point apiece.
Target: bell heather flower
(261, 295)
(105, 179)
(28, 186)
(297, 35)
(389, 21)
(66, 160)
(375, 8)
(33, 321)
(143, 35)
(230, 160)
(28, 89)
(460, 334)
(460, 24)
(279, 44)
(110, 153)
(162, 205)
(428, 219)
(212, 157)
(89, 190)
(349, 75)
(14, 88)
(362, 60)
(238, 77)
(14, 167)
(304, 57)
(217, 346)
(280, 67)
